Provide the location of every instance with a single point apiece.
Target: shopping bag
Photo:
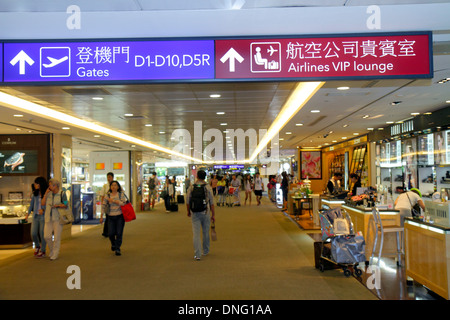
(348, 249)
(213, 232)
(128, 212)
(65, 216)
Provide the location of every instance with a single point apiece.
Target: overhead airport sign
(109, 61)
(407, 55)
(367, 56)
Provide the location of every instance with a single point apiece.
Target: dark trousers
(105, 227)
(115, 230)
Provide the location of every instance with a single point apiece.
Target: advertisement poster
(18, 162)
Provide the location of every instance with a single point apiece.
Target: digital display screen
(18, 162)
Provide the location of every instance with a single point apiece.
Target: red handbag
(128, 211)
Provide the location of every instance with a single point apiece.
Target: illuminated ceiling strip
(303, 92)
(299, 97)
(33, 108)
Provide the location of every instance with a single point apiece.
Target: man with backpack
(199, 202)
(153, 184)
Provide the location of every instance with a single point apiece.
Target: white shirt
(404, 203)
(258, 184)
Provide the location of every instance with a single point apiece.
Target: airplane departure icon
(54, 62)
(271, 50)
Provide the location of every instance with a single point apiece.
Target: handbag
(213, 232)
(415, 212)
(65, 216)
(128, 211)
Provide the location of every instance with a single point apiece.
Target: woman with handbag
(53, 200)
(112, 204)
(408, 201)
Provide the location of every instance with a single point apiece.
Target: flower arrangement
(360, 198)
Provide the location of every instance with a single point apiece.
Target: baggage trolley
(341, 248)
(231, 194)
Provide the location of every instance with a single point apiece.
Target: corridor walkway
(260, 254)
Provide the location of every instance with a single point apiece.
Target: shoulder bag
(128, 211)
(415, 212)
(65, 214)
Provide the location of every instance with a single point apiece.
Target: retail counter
(332, 202)
(427, 255)
(14, 234)
(362, 219)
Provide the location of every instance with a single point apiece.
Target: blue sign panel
(109, 61)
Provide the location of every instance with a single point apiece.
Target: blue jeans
(115, 230)
(200, 229)
(37, 231)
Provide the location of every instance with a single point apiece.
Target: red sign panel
(361, 56)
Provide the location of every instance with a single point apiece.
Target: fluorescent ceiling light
(296, 101)
(18, 115)
(214, 95)
(220, 112)
(97, 98)
(315, 111)
(30, 107)
(343, 88)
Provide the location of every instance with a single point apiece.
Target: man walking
(199, 202)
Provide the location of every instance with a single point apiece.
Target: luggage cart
(231, 194)
(341, 248)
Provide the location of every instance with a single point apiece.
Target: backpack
(197, 202)
(151, 183)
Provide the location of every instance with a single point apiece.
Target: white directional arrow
(22, 57)
(232, 55)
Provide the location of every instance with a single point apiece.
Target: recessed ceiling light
(18, 129)
(97, 98)
(355, 133)
(148, 125)
(221, 112)
(389, 122)
(345, 125)
(315, 111)
(343, 88)
(128, 114)
(299, 124)
(370, 129)
(97, 136)
(162, 132)
(288, 132)
(343, 138)
(18, 115)
(281, 139)
(415, 113)
(334, 141)
(214, 95)
(448, 101)
(366, 116)
(223, 124)
(65, 128)
(117, 141)
(427, 113)
(394, 103)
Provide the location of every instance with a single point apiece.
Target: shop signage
(360, 56)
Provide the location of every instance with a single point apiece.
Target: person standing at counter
(37, 226)
(406, 201)
(54, 198)
(356, 183)
(334, 185)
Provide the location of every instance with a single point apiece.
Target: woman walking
(248, 187)
(37, 226)
(53, 200)
(112, 203)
